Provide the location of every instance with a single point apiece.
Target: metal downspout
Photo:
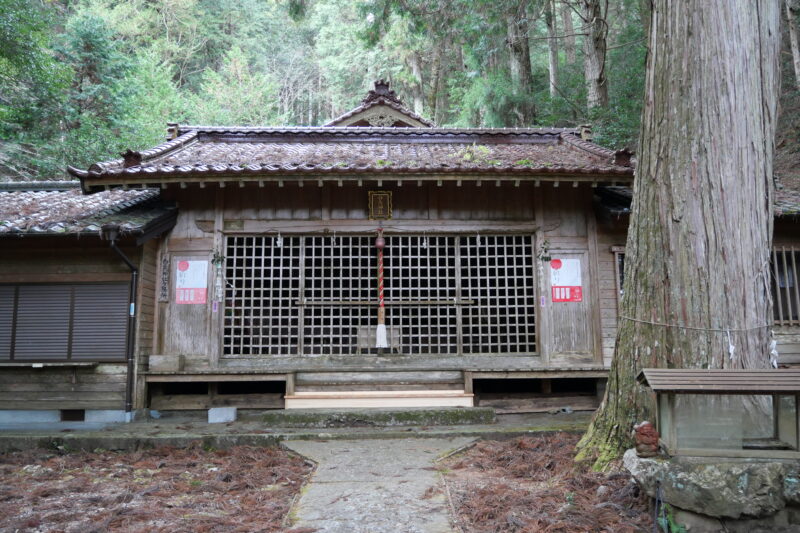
(130, 339)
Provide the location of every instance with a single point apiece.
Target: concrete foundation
(50, 419)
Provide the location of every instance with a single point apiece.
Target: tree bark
(552, 42)
(520, 64)
(569, 32)
(696, 289)
(594, 48)
(792, 12)
(417, 89)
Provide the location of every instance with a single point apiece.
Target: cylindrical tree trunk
(594, 48)
(552, 42)
(569, 32)
(792, 12)
(696, 290)
(417, 89)
(520, 64)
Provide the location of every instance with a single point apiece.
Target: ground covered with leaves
(165, 489)
(530, 484)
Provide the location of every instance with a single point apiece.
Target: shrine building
(238, 266)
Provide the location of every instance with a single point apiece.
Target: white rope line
(720, 330)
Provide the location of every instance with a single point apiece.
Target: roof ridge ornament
(131, 158)
(381, 90)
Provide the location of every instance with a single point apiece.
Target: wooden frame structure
(671, 384)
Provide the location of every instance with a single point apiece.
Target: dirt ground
(165, 489)
(530, 485)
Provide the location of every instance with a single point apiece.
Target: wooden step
(376, 398)
(377, 377)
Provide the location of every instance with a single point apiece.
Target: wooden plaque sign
(380, 205)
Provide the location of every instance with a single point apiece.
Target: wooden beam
(199, 377)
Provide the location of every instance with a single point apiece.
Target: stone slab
(334, 418)
(220, 415)
(375, 486)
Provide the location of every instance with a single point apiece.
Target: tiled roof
(60, 212)
(203, 152)
(787, 196)
(617, 200)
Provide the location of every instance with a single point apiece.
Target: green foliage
(82, 81)
(666, 521)
(235, 94)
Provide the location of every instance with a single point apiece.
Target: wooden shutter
(99, 322)
(42, 329)
(6, 320)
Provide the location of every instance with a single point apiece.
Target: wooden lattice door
(316, 295)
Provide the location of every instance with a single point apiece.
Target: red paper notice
(565, 280)
(191, 282)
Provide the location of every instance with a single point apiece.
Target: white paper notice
(565, 280)
(191, 282)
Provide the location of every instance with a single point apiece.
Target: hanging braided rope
(380, 335)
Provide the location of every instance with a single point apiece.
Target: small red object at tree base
(646, 438)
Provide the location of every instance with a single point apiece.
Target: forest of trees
(81, 80)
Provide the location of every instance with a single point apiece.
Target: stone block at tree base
(709, 495)
(217, 415)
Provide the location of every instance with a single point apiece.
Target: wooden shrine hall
(499, 268)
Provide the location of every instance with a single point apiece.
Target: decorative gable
(381, 109)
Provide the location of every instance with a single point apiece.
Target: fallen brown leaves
(165, 489)
(530, 484)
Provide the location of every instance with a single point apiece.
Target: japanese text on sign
(191, 282)
(565, 280)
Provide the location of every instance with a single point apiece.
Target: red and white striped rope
(380, 279)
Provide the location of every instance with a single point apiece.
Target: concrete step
(378, 398)
(379, 417)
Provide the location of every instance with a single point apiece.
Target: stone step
(378, 398)
(378, 417)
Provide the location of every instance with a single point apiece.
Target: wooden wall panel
(608, 236)
(565, 210)
(146, 316)
(431, 201)
(187, 327)
(101, 387)
(61, 259)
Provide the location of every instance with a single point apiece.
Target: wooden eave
(718, 381)
(91, 184)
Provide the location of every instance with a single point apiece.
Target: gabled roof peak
(381, 108)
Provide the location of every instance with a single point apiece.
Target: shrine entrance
(316, 295)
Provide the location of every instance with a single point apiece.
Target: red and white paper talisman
(191, 282)
(565, 280)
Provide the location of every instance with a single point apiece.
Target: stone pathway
(374, 486)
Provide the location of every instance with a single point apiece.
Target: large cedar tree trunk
(519, 57)
(417, 88)
(594, 48)
(569, 32)
(552, 43)
(697, 254)
(792, 12)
